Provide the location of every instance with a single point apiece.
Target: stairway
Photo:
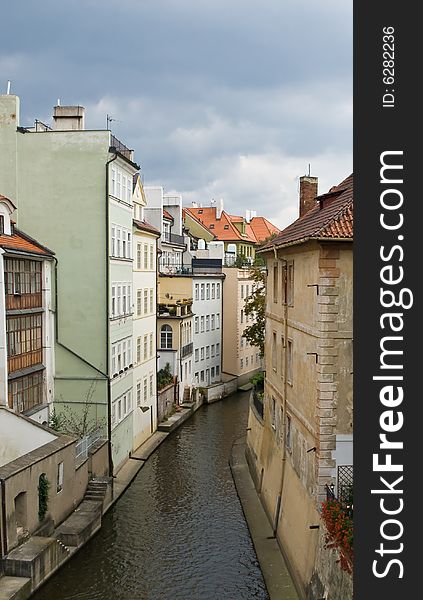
(96, 490)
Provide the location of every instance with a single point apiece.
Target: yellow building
(300, 434)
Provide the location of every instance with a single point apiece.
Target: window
(212, 350)
(217, 349)
(242, 291)
(207, 323)
(138, 393)
(151, 257)
(274, 353)
(202, 376)
(196, 377)
(290, 284)
(151, 386)
(289, 362)
(273, 413)
(202, 291)
(208, 291)
(217, 370)
(197, 291)
(151, 301)
(139, 303)
(288, 439)
(217, 321)
(118, 185)
(213, 291)
(26, 392)
(241, 343)
(145, 257)
(196, 321)
(212, 373)
(246, 361)
(166, 336)
(275, 282)
(212, 322)
(151, 344)
(113, 185)
(242, 363)
(242, 316)
(207, 351)
(122, 355)
(202, 353)
(139, 248)
(145, 346)
(202, 325)
(145, 301)
(218, 291)
(196, 353)
(113, 360)
(59, 483)
(113, 248)
(139, 350)
(145, 388)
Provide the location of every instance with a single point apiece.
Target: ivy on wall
(43, 487)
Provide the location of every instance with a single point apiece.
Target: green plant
(258, 380)
(164, 377)
(43, 487)
(255, 305)
(339, 525)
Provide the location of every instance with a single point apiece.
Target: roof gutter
(302, 241)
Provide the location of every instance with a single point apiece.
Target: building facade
(75, 193)
(144, 320)
(299, 443)
(26, 321)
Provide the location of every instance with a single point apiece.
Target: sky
(229, 99)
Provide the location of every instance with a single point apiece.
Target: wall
(165, 402)
(19, 436)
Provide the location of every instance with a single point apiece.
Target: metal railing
(258, 401)
(168, 269)
(82, 447)
(173, 238)
(345, 489)
(120, 147)
(187, 349)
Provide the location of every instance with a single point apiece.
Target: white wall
(19, 436)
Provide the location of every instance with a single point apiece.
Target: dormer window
(6, 209)
(226, 227)
(1, 224)
(200, 211)
(212, 226)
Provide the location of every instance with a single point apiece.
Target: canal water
(178, 532)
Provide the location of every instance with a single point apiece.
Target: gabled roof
(194, 218)
(21, 242)
(331, 218)
(223, 228)
(262, 228)
(167, 215)
(144, 226)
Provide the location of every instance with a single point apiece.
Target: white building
(207, 308)
(144, 320)
(26, 321)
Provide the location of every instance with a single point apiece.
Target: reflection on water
(178, 532)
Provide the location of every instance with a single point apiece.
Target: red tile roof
(21, 242)
(144, 226)
(167, 215)
(331, 218)
(262, 228)
(223, 228)
(194, 218)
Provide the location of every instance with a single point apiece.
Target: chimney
(248, 216)
(219, 208)
(194, 204)
(308, 193)
(68, 118)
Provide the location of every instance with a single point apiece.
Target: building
(73, 189)
(26, 320)
(144, 238)
(174, 289)
(240, 358)
(300, 441)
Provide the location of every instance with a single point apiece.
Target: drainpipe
(109, 386)
(285, 370)
(4, 520)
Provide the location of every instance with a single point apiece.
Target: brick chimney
(308, 193)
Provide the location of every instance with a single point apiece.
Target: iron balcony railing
(173, 238)
(258, 401)
(82, 447)
(121, 148)
(169, 269)
(345, 489)
(187, 349)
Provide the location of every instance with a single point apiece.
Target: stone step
(14, 588)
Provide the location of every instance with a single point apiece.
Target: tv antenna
(110, 119)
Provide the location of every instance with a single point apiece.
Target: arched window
(166, 336)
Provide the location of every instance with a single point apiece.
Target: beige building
(300, 440)
(239, 357)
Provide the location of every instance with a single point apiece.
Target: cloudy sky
(227, 99)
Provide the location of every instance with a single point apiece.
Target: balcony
(179, 309)
(173, 238)
(187, 349)
(121, 148)
(168, 269)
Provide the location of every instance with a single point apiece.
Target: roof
(167, 215)
(223, 228)
(194, 218)
(22, 242)
(144, 226)
(331, 218)
(262, 228)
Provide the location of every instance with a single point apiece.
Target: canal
(178, 532)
